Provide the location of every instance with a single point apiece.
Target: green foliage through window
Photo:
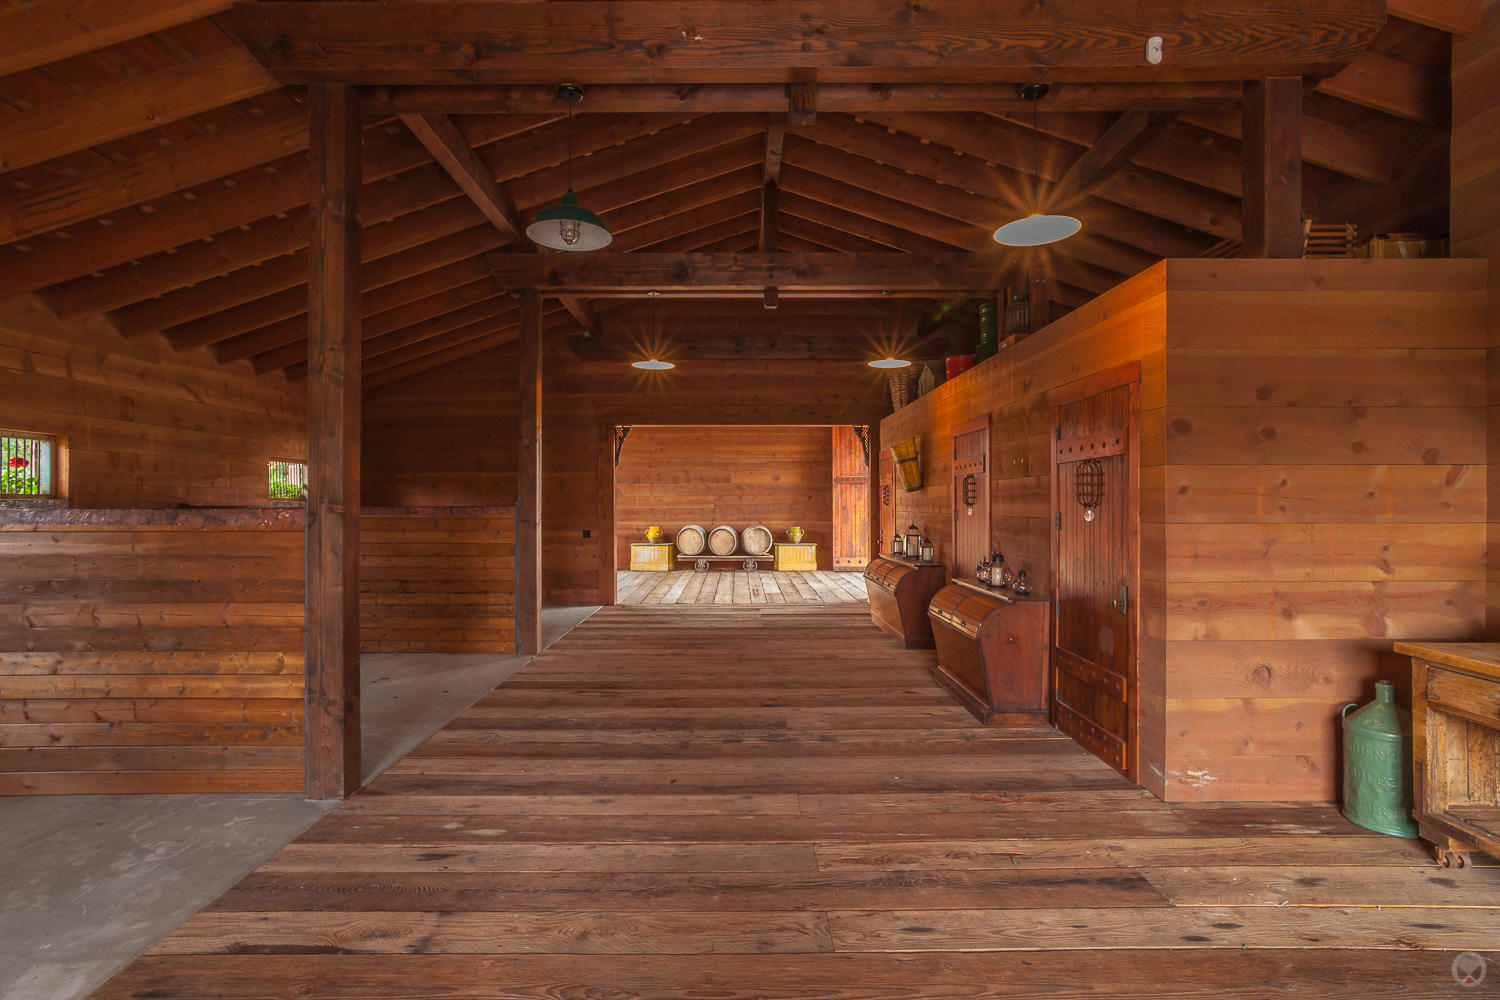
(288, 480)
(26, 465)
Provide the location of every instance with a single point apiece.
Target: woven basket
(902, 382)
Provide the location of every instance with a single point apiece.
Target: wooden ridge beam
(878, 41)
(1112, 150)
(136, 105)
(70, 200)
(38, 34)
(770, 98)
(454, 154)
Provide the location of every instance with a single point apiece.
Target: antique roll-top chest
(899, 591)
(992, 651)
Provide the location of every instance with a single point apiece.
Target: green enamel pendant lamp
(1037, 229)
(568, 225)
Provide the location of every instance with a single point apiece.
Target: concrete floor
(96, 879)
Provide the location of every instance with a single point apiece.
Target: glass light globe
(1037, 230)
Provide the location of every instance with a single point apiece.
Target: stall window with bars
(288, 480)
(27, 465)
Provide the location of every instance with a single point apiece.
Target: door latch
(1057, 521)
(1122, 605)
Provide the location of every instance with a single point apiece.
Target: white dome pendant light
(1036, 229)
(568, 225)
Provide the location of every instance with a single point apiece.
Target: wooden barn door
(1095, 514)
(851, 499)
(887, 499)
(971, 495)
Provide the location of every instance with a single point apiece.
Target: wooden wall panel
(776, 476)
(438, 580)
(151, 651)
(144, 426)
(1314, 473)
(1475, 214)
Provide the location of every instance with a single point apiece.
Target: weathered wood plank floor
(740, 588)
(776, 803)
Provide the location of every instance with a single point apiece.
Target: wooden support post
(1038, 299)
(606, 523)
(1272, 141)
(333, 414)
(875, 515)
(529, 496)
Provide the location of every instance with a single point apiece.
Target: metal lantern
(929, 552)
(913, 542)
(898, 545)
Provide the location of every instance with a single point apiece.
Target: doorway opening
(740, 515)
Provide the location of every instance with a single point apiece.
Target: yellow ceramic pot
(653, 534)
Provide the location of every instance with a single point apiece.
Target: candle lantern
(913, 542)
(929, 551)
(898, 545)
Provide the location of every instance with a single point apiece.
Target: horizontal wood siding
(1324, 496)
(436, 581)
(739, 476)
(151, 659)
(144, 426)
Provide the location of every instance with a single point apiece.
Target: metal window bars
(27, 465)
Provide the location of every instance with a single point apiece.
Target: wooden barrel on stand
(691, 538)
(723, 540)
(757, 540)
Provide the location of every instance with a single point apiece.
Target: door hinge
(1057, 521)
(1122, 605)
(1058, 431)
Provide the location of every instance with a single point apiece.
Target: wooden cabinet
(900, 591)
(1455, 695)
(651, 556)
(796, 556)
(992, 651)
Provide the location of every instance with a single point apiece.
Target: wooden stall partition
(1475, 224)
(151, 651)
(1324, 495)
(437, 580)
(776, 476)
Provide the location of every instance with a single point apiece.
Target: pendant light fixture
(892, 361)
(568, 225)
(654, 364)
(1037, 229)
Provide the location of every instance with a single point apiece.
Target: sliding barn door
(1094, 637)
(971, 495)
(887, 511)
(851, 499)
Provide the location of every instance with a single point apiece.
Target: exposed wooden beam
(482, 312)
(586, 317)
(114, 186)
(1457, 17)
(1393, 86)
(1324, 144)
(635, 273)
(529, 485)
(847, 98)
(878, 41)
(775, 141)
(37, 34)
(454, 154)
(333, 431)
(801, 102)
(1112, 150)
(57, 128)
(1272, 205)
(770, 196)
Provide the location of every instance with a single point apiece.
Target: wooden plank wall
(1127, 324)
(144, 425)
(776, 476)
(151, 651)
(1313, 488)
(1475, 214)
(438, 580)
(1324, 496)
(447, 439)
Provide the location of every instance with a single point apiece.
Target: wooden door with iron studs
(851, 498)
(1095, 544)
(971, 495)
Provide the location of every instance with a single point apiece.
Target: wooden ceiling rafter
(38, 34)
(874, 42)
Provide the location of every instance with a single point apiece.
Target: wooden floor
(776, 803)
(740, 588)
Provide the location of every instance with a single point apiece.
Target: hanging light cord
(570, 145)
(1036, 181)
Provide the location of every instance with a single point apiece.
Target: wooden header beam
(840, 98)
(857, 275)
(830, 41)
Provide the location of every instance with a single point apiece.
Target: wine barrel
(690, 539)
(723, 540)
(756, 539)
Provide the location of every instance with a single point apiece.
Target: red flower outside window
(17, 462)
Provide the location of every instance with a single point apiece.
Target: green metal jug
(1377, 765)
